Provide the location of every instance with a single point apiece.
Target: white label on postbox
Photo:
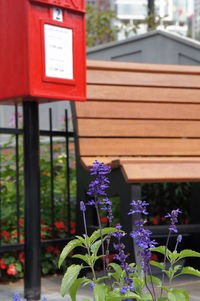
(58, 52)
(57, 14)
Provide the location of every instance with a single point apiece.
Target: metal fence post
(32, 280)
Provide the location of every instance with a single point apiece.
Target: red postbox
(42, 50)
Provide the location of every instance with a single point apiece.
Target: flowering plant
(123, 280)
(16, 297)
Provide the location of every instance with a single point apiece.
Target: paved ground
(51, 287)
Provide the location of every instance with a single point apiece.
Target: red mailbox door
(49, 50)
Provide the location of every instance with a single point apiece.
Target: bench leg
(195, 214)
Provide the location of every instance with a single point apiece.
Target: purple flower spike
(138, 207)
(16, 297)
(141, 235)
(99, 169)
(179, 238)
(100, 184)
(44, 299)
(82, 206)
(121, 257)
(107, 206)
(173, 216)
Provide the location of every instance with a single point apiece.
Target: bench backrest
(139, 110)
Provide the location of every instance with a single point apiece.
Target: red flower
(73, 228)
(57, 251)
(73, 225)
(111, 257)
(154, 257)
(11, 270)
(156, 220)
(21, 222)
(2, 265)
(44, 228)
(104, 220)
(21, 257)
(50, 249)
(59, 225)
(5, 234)
(73, 231)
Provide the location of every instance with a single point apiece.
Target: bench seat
(154, 169)
(144, 121)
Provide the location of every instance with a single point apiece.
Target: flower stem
(145, 279)
(164, 263)
(151, 277)
(102, 243)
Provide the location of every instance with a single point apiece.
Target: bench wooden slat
(155, 68)
(144, 118)
(135, 110)
(87, 162)
(140, 79)
(138, 147)
(161, 172)
(137, 128)
(120, 93)
(115, 162)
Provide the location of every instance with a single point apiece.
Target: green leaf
(118, 271)
(190, 271)
(84, 258)
(171, 296)
(95, 247)
(115, 297)
(174, 256)
(159, 265)
(178, 295)
(155, 280)
(67, 249)
(69, 278)
(97, 234)
(116, 267)
(160, 249)
(80, 238)
(102, 278)
(73, 289)
(100, 292)
(188, 253)
(147, 297)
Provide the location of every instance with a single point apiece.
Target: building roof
(160, 32)
(159, 46)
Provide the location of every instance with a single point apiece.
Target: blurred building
(100, 4)
(196, 20)
(175, 15)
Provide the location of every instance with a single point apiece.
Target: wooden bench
(143, 120)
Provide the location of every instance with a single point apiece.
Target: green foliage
(69, 278)
(164, 197)
(89, 256)
(98, 26)
(9, 205)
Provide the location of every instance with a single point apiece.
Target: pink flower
(2, 265)
(11, 270)
(5, 234)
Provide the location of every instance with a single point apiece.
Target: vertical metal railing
(52, 173)
(67, 173)
(0, 194)
(49, 134)
(17, 173)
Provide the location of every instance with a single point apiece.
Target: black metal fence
(49, 135)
